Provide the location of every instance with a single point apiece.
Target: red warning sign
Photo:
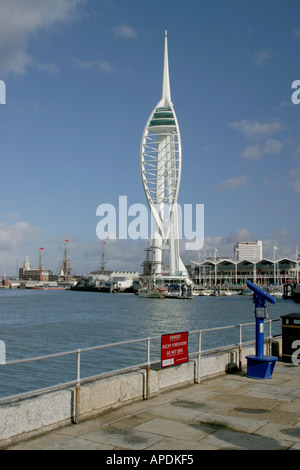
(174, 349)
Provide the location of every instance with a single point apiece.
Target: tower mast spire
(160, 157)
(166, 89)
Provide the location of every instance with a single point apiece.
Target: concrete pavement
(229, 411)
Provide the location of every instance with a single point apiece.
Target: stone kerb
(40, 412)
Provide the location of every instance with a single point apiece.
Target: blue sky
(82, 77)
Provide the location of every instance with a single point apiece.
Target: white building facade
(250, 251)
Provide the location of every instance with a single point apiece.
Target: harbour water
(37, 323)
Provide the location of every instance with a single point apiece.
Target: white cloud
(255, 128)
(294, 176)
(286, 245)
(14, 237)
(47, 67)
(282, 239)
(82, 64)
(20, 21)
(284, 104)
(273, 146)
(294, 172)
(259, 58)
(231, 183)
(225, 245)
(256, 152)
(103, 65)
(296, 185)
(124, 31)
(252, 153)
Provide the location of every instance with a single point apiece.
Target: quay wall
(36, 414)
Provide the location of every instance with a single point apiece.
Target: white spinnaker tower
(160, 158)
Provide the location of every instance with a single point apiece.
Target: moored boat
(206, 292)
(154, 293)
(39, 285)
(228, 292)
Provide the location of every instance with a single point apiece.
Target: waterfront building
(160, 160)
(247, 264)
(228, 272)
(251, 251)
(29, 273)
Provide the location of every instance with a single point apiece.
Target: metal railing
(198, 353)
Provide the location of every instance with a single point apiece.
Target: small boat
(47, 285)
(154, 293)
(276, 293)
(228, 292)
(206, 292)
(248, 292)
(235, 292)
(173, 295)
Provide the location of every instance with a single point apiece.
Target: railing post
(240, 348)
(148, 371)
(77, 393)
(199, 356)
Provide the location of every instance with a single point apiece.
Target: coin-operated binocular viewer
(260, 366)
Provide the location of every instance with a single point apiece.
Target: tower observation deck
(160, 160)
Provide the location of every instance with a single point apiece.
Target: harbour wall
(36, 414)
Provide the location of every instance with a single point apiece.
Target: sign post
(174, 349)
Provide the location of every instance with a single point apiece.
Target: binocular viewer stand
(260, 366)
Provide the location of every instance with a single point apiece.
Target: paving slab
(206, 406)
(77, 443)
(224, 439)
(277, 392)
(291, 382)
(234, 423)
(167, 428)
(200, 395)
(291, 407)
(180, 444)
(248, 401)
(292, 369)
(274, 416)
(175, 412)
(122, 438)
(280, 432)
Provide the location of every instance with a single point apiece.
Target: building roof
(228, 261)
